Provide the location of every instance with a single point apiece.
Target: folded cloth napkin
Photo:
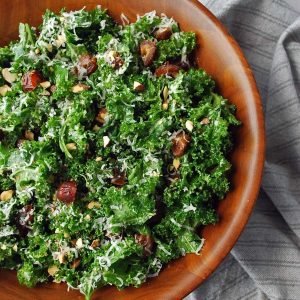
(265, 262)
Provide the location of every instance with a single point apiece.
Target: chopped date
(180, 144)
(146, 241)
(87, 64)
(167, 69)
(31, 80)
(163, 33)
(148, 51)
(66, 192)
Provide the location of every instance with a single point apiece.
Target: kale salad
(113, 149)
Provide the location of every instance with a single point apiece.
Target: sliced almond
(15, 247)
(87, 217)
(79, 243)
(6, 195)
(61, 39)
(138, 87)
(49, 47)
(99, 158)
(45, 84)
(165, 105)
(8, 76)
(205, 121)
(93, 204)
(29, 135)
(37, 51)
(106, 141)
(96, 128)
(189, 125)
(80, 87)
(61, 258)
(45, 93)
(52, 270)
(4, 89)
(71, 146)
(176, 163)
(95, 243)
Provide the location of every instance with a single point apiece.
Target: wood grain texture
(220, 55)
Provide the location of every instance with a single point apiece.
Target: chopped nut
(80, 87)
(165, 93)
(8, 76)
(101, 116)
(61, 39)
(189, 125)
(138, 87)
(96, 128)
(6, 195)
(87, 217)
(176, 163)
(49, 47)
(37, 51)
(61, 258)
(93, 204)
(52, 270)
(45, 93)
(165, 105)
(79, 243)
(45, 84)
(95, 243)
(99, 158)
(106, 141)
(205, 121)
(29, 135)
(114, 59)
(15, 247)
(71, 146)
(4, 89)
(75, 263)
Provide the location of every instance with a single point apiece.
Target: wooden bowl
(222, 58)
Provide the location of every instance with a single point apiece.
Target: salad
(113, 149)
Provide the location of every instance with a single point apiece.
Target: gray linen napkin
(265, 263)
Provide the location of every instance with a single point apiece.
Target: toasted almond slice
(138, 87)
(52, 270)
(15, 247)
(29, 135)
(4, 89)
(79, 243)
(205, 121)
(8, 76)
(80, 87)
(45, 84)
(106, 141)
(45, 93)
(95, 243)
(165, 105)
(99, 158)
(176, 163)
(71, 146)
(165, 93)
(6, 195)
(61, 258)
(93, 204)
(189, 125)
